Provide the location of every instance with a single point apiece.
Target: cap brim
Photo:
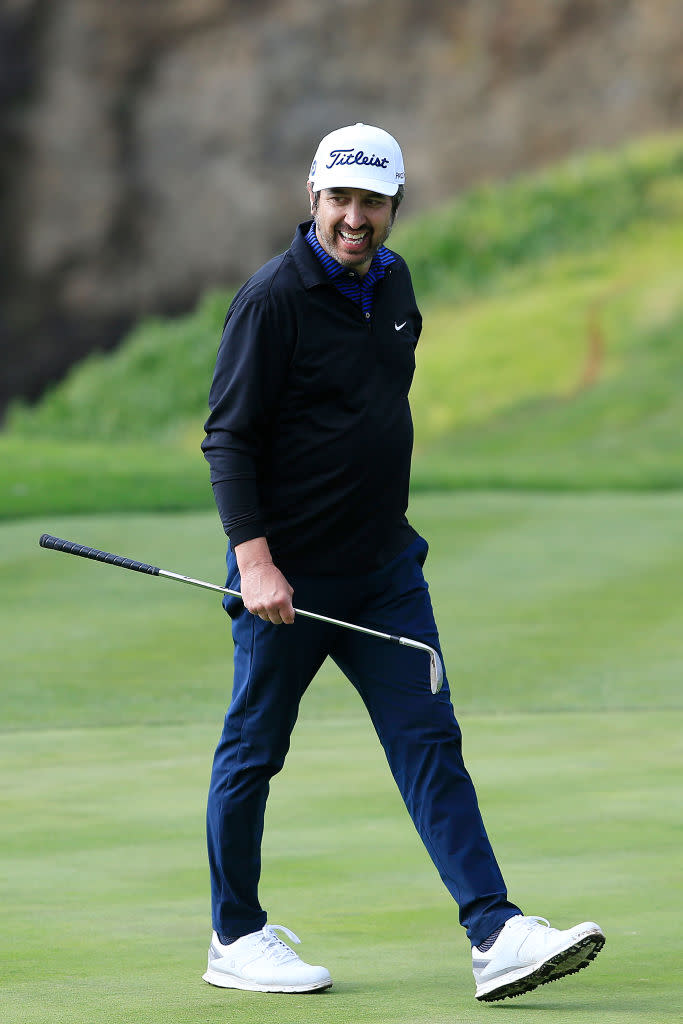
(383, 188)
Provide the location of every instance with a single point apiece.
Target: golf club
(71, 548)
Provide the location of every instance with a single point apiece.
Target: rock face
(149, 150)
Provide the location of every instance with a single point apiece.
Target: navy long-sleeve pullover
(309, 438)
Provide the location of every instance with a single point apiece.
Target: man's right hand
(265, 591)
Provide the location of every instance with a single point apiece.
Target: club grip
(71, 548)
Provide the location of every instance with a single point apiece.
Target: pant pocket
(232, 605)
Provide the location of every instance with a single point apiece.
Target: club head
(435, 665)
(435, 672)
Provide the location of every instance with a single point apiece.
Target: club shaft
(72, 548)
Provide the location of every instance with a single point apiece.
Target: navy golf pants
(273, 666)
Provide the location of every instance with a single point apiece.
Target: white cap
(358, 156)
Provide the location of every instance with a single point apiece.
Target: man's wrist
(251, 554)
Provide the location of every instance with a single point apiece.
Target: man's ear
(310, 195)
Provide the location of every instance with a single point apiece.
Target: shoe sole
(222, 980)
(567, 961)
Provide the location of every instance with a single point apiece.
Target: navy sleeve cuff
(238, 510)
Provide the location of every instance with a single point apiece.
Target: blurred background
(151, 151)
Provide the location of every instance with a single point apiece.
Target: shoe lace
(525, 932)
(274, 948)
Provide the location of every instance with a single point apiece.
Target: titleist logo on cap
(358, 156)
(343, 157)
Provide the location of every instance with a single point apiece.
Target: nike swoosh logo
(397, 327)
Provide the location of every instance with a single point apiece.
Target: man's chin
(355, 260)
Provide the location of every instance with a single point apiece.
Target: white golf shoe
(261, 962)
(529, 953)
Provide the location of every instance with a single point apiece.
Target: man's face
(351, 224)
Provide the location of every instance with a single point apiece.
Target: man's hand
(265, 591)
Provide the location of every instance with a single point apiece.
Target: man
(309, 441)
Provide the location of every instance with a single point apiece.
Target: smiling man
(309, 440)
(353, 221)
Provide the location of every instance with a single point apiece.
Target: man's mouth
(355, 239)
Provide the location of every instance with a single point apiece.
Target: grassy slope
(559, 618)
(549, 359)
(580, 388)
(554, 315)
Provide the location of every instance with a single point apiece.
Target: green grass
(560, 620)
(562, 579)
(153, 386)
(105, 917)
(578, 390)
(537, 334)
(53, 477)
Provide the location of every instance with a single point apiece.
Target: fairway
(560, 619)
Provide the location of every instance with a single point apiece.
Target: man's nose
(354, 214)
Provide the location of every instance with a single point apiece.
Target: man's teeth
(353, 237)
